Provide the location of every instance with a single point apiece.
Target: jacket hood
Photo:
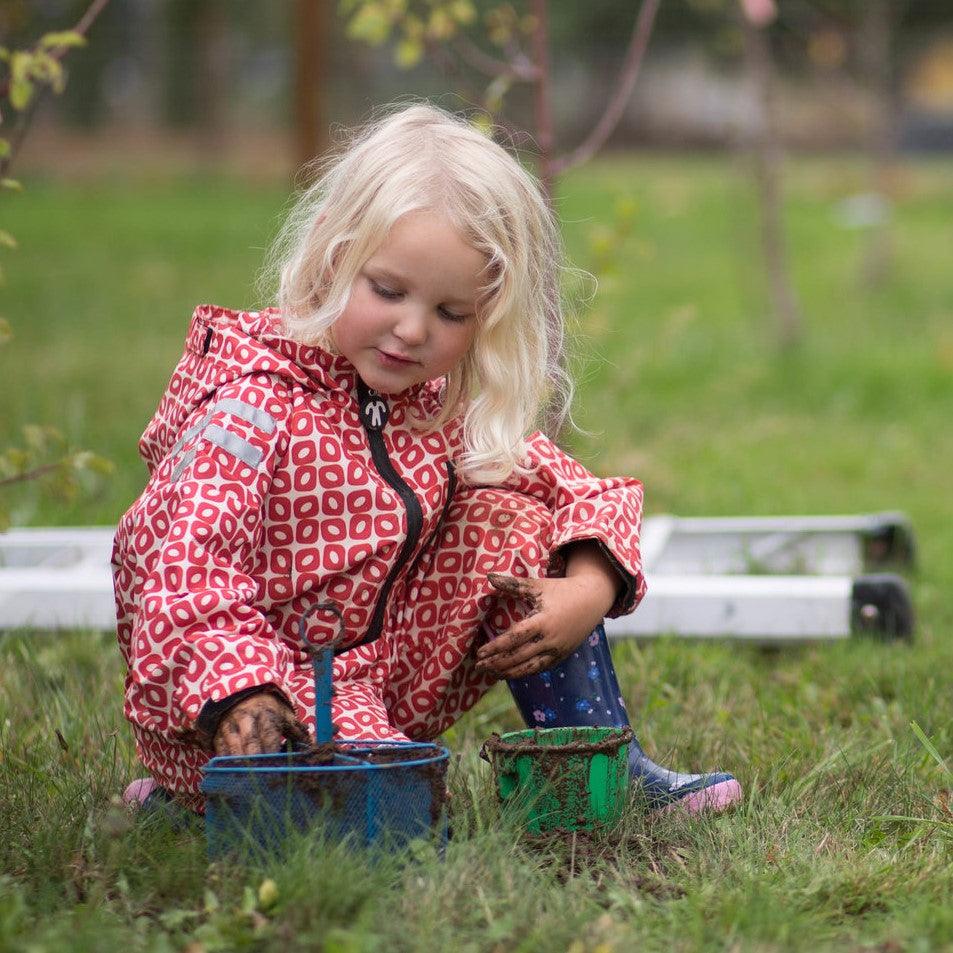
(222, 346)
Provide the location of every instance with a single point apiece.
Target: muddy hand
(562, 613)
(525, 589)
(258, 725)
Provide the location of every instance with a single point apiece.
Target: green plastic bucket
(570, 779)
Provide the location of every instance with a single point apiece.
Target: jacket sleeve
(585, 507)
(199, 633)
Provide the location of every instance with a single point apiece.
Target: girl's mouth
(392, 360)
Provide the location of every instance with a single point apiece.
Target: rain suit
(278, 480)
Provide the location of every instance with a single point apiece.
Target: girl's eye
(451, 315)
(384, 292)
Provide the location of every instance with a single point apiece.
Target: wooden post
(310, 38)
(876, 48)
(766, 148)
(542, 106)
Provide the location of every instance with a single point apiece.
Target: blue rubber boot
(583, 690)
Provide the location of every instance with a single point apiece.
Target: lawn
(680, 384)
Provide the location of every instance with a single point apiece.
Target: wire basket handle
(322, 659)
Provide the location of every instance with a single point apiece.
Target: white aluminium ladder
(774, 579)
(765, 579)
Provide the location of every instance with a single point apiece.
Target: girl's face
(411, 315)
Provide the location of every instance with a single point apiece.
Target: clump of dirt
(336, 790)
(319, 754)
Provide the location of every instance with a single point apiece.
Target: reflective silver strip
(233, 444)
(182, 464)
(190, 433)
(247, 412)
(238, 408)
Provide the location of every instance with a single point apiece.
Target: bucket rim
(220, 765)
(500, 744)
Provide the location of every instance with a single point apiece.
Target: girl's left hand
(563, 612)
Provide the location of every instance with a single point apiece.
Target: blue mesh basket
(377, 792)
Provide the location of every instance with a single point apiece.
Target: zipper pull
(374, 409)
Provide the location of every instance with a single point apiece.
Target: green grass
(681, 385)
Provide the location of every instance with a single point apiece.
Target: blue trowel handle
(322, 661)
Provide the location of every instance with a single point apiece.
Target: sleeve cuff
(633, 586)
(213, 712)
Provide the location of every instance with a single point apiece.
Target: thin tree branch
(25, 117)
(766, 151)
(33, 474)
(467, 94)
(82, 27)
(451, 68)
(472, 55)
(542, 107)
(89, 17)
(616, 105)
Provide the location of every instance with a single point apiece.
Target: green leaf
(440, 26)
(495, 93)
(18, 460)
(100, 465)
(408, 53)
(175, 918)
(484, 123)
(249, 900)
(211, 901)
(21, 62)
(12, 184)
(370, 24)
(21, 92)
(930, 747)
(463, 11)
(267, 894)
(64, 38)
(35, 437)
(50, 70)
(7, 240)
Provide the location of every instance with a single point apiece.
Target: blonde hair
(421, 157)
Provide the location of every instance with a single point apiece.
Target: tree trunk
(211, 76)
(766, 150)
(311, 31)
(542, 108)
(875, 45)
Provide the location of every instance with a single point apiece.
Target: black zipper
(374, 413)
(435, 535)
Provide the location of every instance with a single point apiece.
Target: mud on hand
(260, 724)
(562, 612)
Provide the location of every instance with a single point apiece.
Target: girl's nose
(411, 327)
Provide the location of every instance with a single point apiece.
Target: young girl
(360, 451)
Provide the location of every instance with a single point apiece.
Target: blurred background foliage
(160, 174)
(214, 65)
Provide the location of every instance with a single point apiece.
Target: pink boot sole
(716, 798)
(136, 793)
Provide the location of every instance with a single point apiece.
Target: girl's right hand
(259, 724)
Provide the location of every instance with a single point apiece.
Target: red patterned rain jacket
(278, 480)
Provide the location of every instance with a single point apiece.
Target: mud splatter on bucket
(569, 779)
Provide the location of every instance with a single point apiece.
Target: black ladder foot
(881, 605)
